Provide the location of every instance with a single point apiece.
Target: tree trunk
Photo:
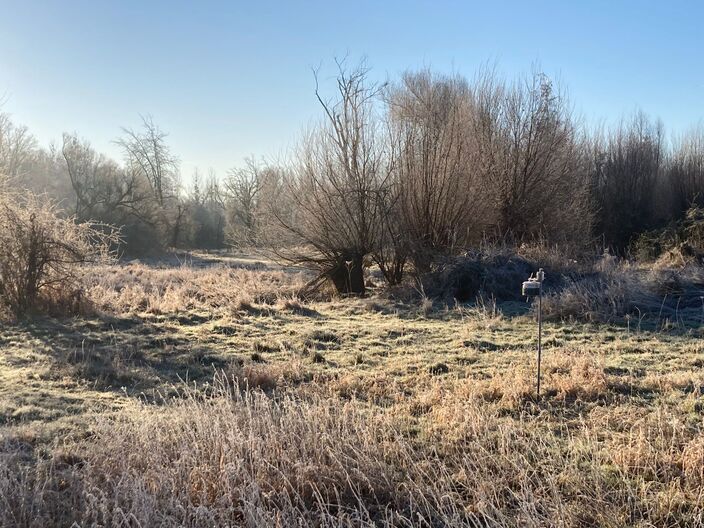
(392, 271)
(348, 274)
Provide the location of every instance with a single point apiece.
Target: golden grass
(339, 413)
(137, 287)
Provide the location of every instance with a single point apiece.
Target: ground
(622, 410)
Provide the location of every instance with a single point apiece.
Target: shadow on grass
(128, 355)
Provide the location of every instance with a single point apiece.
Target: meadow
(202, 390)
(330, 332)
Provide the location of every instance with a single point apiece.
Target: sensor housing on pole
(533, 287)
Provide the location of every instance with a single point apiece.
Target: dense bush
(681, 242)
(42, 254)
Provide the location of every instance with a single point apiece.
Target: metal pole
(540, 331)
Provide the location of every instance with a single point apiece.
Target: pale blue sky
(232, 79)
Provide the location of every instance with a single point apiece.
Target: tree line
(397, 174)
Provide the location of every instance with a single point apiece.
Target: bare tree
(17, 146)
(101, 186)
(341, 175)
(438, 193)
(150, 156)
(626, 169)
(531, 160)
(148, 153)
(242, 188)
(107, 193)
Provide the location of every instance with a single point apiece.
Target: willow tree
(626, 172)
(439, 196)
(531, 160)
(339, 184)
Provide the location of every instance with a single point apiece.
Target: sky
(230, 79)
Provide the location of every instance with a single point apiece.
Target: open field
(205, 393)
(290, 265)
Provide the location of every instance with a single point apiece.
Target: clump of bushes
(590, 288)
(42, 256)
(627, 290)
(678, 244)
(596, 297)
(465, 278)
(496, 272)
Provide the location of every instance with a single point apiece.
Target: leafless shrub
(626, 167)
(42, 257)
(426, 306)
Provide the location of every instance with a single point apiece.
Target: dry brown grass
(138, 287)
(660, 296)
(339, 413)
(232, 457)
